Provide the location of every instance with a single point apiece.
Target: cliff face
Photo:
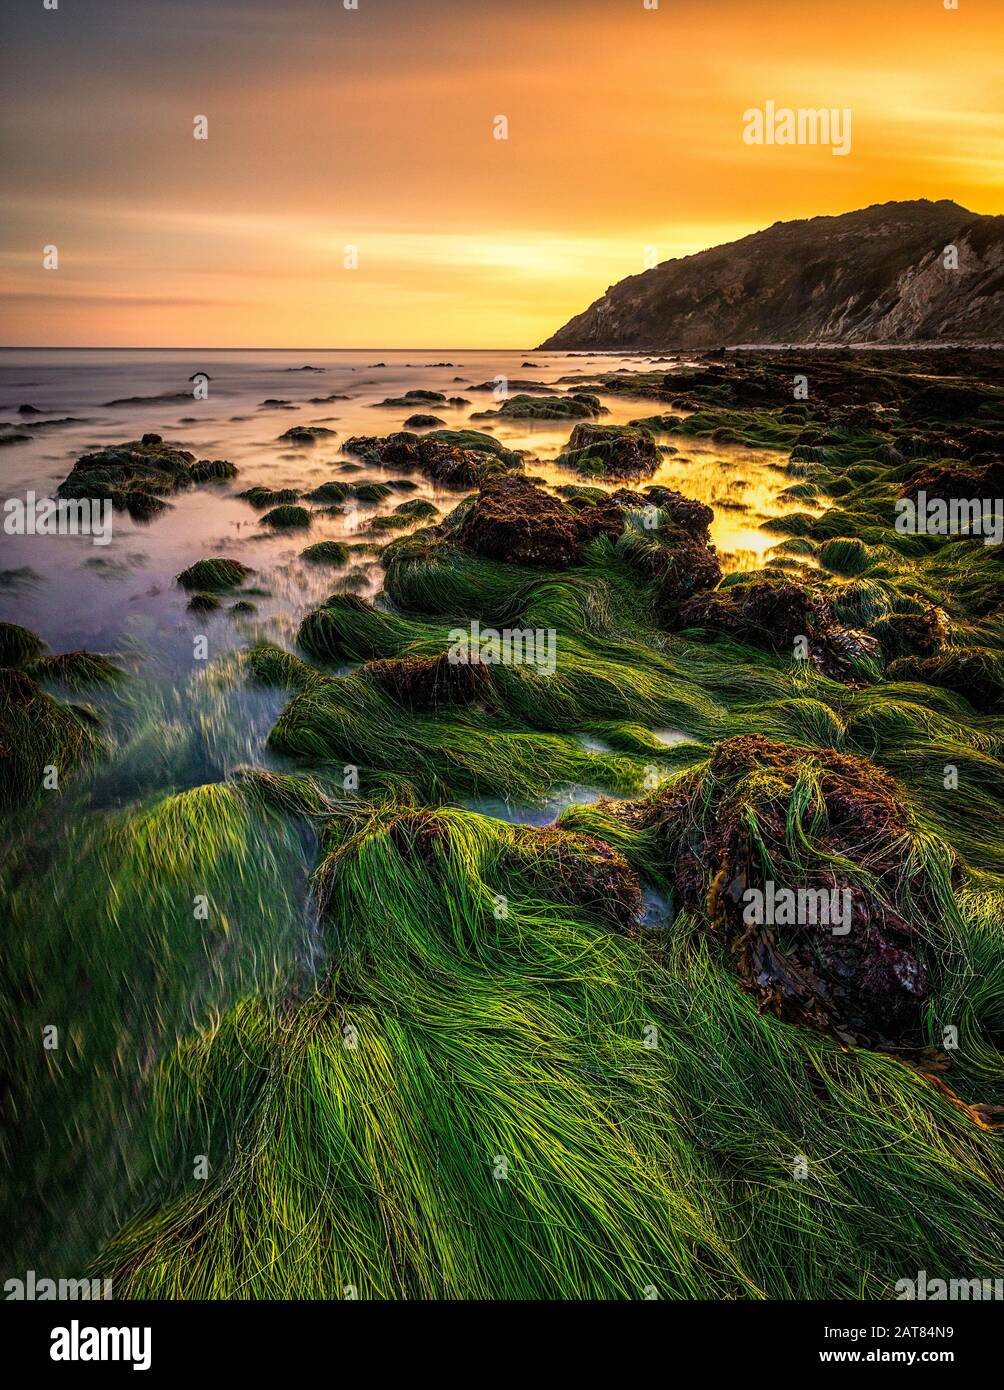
(877, 275)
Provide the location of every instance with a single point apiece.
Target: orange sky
(373, 128)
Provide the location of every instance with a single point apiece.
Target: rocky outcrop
(611, 451)
(513, 520)
(876, 275)
(137, 475)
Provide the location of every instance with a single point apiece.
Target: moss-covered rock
(513, 520)
(576, 406)
(762, 816)
(287, 518)
(18, 645)
(205, 603)
(261, 497)
(326, 553)
(454, 458)
(215, 575)
(41, 739)
(428, 683)
(137, 475)
(306, 434)
(611, 451)
(784, 617)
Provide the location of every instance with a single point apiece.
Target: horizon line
(126, 347)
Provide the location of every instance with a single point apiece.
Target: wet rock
(306, 434)
(136, 474)
(578, 406)
(624, 497)
(580, 870)
(214, 576)
(213, 470)
(685, 567)
(260, 496)
(429, 683)
(423, 422)
(777, 615)
(611, 451)
(326, 553)
(18, 645)
(513, 520)
(826, 823)
(976, 673)
(332, 491)
(413, 398)
(945, 481)
(685, 513)
(371, 492)
(911, 634)
(454, 458)
(665, 424)
(287, 518)
(204, 603)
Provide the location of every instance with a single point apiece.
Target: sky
(351, 191)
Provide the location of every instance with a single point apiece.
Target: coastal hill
(877, 275)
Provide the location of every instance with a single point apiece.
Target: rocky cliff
(884, 274)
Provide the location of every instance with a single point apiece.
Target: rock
(213, 470)
(523, 407)
(844, 831)
(137, 475)
(665, 424)
(214, 576)
(976, 673)
(204, 603)
(911, 634)
(306, 434)
(611, 451)
(775, 615)
(429, 683)
(332, 491)
(581, 870)
(286, 517)
(690, 567)
(454, 458)
(423, 422)
(514, 521)
(18, 645)
(686, 513)
(765, 613)
(413, 398)
(260, 496)
(944, 481)
(326, 553)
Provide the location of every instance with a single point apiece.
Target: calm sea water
(123, 595)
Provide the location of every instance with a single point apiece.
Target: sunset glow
(358, 129)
